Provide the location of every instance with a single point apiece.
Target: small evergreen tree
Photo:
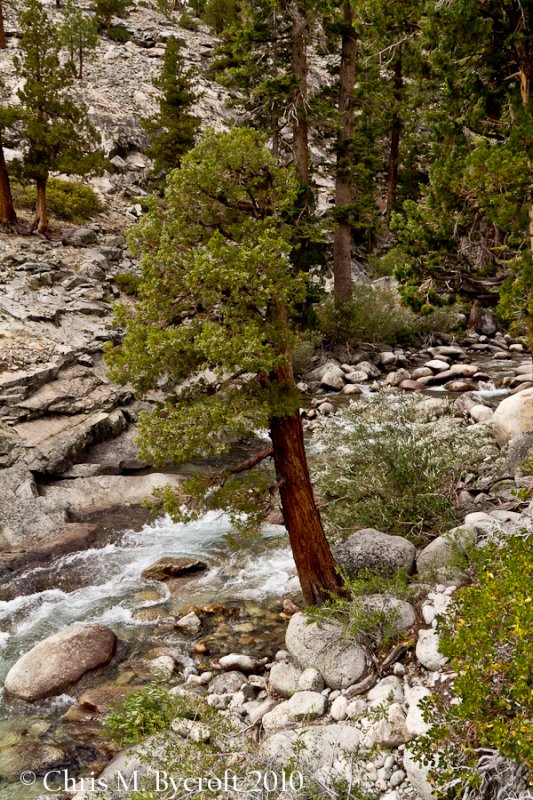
(57, 133)
(78, 33)
(173, 129)
(219, 293)
(105, 10)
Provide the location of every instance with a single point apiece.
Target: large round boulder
(369, 549)
(339, 658)
(514, 415)
(59, 661)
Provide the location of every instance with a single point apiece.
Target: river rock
(520, 450)
(389, 731)
(427, 650)
(34, 756)
(190, 623)
(333, 377)
(514, 415)
(418, 776)
(284, 679)
(239, 661)
(311, 680)
(168, 567)
(325, 747)
(438, 561)
(339, 658)
(339, 708)
(369, 549)
(227, 682)
(415, 722)
(389, 689)
(481, 413)
(401, 615)
(59, 661)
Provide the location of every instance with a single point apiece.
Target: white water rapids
(106, 581)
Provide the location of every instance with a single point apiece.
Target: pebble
(397, 778)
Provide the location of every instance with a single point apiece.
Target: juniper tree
(57, 134)
(216, 309)
(78, 33)
(173, 128)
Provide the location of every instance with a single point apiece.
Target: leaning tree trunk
(8, 214)
(344, 190)
(396, 129)
(300, 144)
(3, 40)
(41, 209)
(314, 561)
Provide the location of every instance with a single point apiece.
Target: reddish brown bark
(312, 555)
(3, 40)
(8, 214)
(300, 145)
(396, 129)
(344, 190)
(42, 212)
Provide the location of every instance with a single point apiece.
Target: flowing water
(104, 585)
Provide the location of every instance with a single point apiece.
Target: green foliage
(216, 302)
(188, 22)
(372, 315)
(218, 14)
(105, 10)
(56, 129)
(142, 713)
(386, 467)
(118, 33)
(67, 200)
(128, 282)
(486, 634)
(304, 349)
(516, 297)
(372, 627)
(78, 33)
(173, 129)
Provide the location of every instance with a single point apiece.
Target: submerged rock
(168, 567)
(59, 661)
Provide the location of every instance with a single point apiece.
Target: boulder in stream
(168, 567)
(59, 661)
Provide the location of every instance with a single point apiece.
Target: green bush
(119, 34)
(128, 282)
(384, 466)
(370, 627)
(375, 315)
(67, 200)
(148, 711)
(486, 634)
(372, 315)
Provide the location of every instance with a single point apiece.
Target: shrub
(119, 34)
(370, 627)
(385, 467)
(372, 315)
(148, 711)
(67, 200)
(128, 282)
(488, 719)
(375, 315)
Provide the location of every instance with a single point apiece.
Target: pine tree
(8, 216)
(3, 40)
(217, 298)
(173, 129)
(78, 33)
(105, 10)
(472, 227)
(57, 133)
